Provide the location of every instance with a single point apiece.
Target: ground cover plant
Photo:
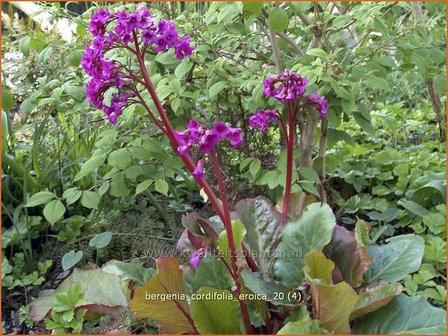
(293, 182)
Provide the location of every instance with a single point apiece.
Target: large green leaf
(273, 291)
(318, 269)
(239, 231)
(348, 255)
(102, 292)
(212, 273)
(373, 298)
(264, 226)
(392, 262)
(119, 158)
(310, 233)
(130, 271)
(413, 207)
(216, 311)
(404, 315)
(302, 327)
(171, 314)
(334, 305)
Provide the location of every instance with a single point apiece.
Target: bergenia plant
(288, 88)
(254, 269)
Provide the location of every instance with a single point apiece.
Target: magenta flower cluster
(198, 136)
(262, 119)
(117, 31)
(161, 35)
(319, 102)
(286, 87)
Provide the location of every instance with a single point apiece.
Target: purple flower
(235, 137)
(143, 17)
(183, 48)
(286, 87)
(166, 36)
(197, 256)
(262, 119)
(199, 170)
(118, 102)
(198, 136)
(208, 141)
(319, 102)
(221, 130)
(99, 21)
(106, 74)
(149, 36)
(101, 43)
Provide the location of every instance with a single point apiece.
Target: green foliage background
(68, 176)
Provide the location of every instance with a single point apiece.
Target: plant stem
(222, 211)
(170, 131)
(321, 154)
(289, 160)
(230, 240)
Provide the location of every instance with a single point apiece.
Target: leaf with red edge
(348, 255)
(198, 241)
(264, 226)
(163, 298)
(198, 232)
(361, 266)
(333, 305)
(373, 298)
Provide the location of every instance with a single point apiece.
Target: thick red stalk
(231, 240)
(289, 161)
(170, 131)
(222, 211)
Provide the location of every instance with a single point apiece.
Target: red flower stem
(222, 213)
(289, 161)
(150, 114)
(282, 125)
(170, 131)
(230, 240)
(250, 261)
(225, 204)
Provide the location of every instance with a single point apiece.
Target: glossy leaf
(264, 226)
(334, 304)
(310, 233)
(212, 273)
(172, 315)
(393, 261)
(404, 315)
(213, 315)
(373, 298)
(275, 292)
(318, 269)
(239, 231)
